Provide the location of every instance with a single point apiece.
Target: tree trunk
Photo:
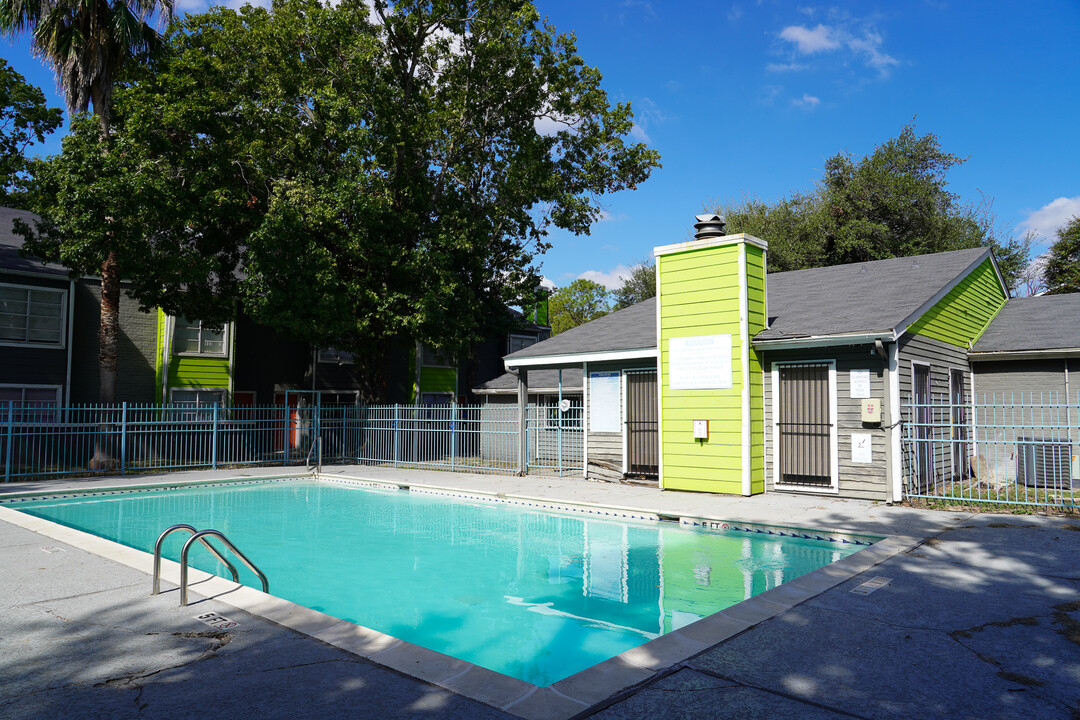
(108, 333)
(108, 338)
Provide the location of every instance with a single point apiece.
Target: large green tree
(1062, 270)
(25, 118)
(893, 202)
(638, 285)
(576, 304)
(88, 43)
(371, 173)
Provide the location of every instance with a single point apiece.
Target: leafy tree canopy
(25, 118)
(576, 304)
(351, 174)
(891, 203)
(639, 285)
(1062, 270)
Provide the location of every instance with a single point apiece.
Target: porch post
(523, 430)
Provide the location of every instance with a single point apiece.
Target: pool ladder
(316, 450)
(201, 536)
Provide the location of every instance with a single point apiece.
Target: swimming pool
(535, 595)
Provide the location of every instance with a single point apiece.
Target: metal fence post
(397, 420)
(123, 438)
(213, 440)
(453, 418)
(9, 450)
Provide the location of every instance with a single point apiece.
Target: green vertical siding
(438, 380)
(961, 317)
(700, 295)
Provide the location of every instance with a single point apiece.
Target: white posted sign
(862, 448)
(605, 401)
(700, 363)
(860, 383)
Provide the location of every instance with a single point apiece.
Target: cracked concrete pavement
(981, 620)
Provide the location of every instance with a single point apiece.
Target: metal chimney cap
(709, 225)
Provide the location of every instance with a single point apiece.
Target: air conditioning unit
(1044, 463)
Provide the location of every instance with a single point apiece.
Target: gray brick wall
(138, 341)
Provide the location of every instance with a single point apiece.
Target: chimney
(709, 226)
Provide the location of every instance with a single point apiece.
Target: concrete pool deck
(981, 619)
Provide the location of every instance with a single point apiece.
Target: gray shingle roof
(632, 328)
(10, 244)
(867, 297)
(1047, 322)
(539, 380)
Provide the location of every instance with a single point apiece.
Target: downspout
(70, 344)
(895, 417)
(166, 344)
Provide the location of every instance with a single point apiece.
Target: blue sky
(749, 98)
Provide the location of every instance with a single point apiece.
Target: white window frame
(62, 342)
(182, 322)
(834, 433)
(510, 339)
(198, 410)
(57, 389)
(333, 356)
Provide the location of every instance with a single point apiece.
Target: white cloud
(734, 13)
(769, 93)
(809, 41)
(1045, 221)
(638, 133)
(612, 280)
(859, 39)
(808, 102)
(786, 67)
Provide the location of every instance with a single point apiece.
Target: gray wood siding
(942, 358)
(855, 480)
(1020, 380)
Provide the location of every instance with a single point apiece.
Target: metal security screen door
(924, 449)
(642, 436)
(804, 425)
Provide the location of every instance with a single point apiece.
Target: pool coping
(559, 701)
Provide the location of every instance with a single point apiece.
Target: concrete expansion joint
(783, 694)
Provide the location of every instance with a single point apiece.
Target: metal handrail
(220, 536)
(316, 443)
(206, 543)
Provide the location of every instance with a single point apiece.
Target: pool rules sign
(700, 363)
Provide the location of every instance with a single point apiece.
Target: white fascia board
(818, 341)
(710, 242)
(1048, 354)
(579, 358)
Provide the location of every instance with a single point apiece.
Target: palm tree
(87, 43)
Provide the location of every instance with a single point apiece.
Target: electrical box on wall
(871, 410)
(701, 429)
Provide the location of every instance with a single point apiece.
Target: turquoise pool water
(533, 594)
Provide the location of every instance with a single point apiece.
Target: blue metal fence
(42, 441)
(1005, 448)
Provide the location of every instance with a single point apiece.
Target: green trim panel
(962, 316)
(203, 372)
